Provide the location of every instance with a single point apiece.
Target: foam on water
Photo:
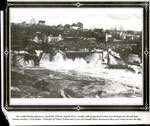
(92, 66)
(45, 57)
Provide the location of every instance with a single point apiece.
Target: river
(80, 77)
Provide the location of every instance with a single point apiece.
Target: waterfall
(94, 57)
(112, 60)
(58, 58)
(45, 57)
(30, 63)
(90, 66)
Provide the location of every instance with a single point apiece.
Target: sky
(106, 18)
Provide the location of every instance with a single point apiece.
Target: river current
(89, 77)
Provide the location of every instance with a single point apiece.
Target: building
(41, 22)
(138, 36)
(75, 27)
(98, 30)
(54, 38)
(129, 37)
(108, 37)
(80, 25)
(37, 37)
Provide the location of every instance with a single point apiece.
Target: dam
(110, 58)
(74, 75)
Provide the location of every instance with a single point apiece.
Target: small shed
(41, 22)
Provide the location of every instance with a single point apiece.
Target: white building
(54, 39)
(36, 39)
(108, 36)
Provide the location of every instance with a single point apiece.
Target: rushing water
(85, 76)
(91, 66)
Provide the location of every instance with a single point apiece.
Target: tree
(121, 28)
(32, 21)
(67, 26)
(74, 24)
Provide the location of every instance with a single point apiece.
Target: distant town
(41, 32)
(31, 36)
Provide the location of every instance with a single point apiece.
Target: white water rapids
(93, 68)
(83, 75)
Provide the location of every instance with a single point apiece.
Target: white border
(72, 101)
(76, 101)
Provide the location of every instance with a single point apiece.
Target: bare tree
(121, 28)
(32, 21)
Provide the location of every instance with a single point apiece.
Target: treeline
(20, 34)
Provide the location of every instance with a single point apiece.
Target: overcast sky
(106, 18)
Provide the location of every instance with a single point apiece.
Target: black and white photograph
(85, 55)
(75, 63)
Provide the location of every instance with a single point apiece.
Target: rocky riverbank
(38, 82)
